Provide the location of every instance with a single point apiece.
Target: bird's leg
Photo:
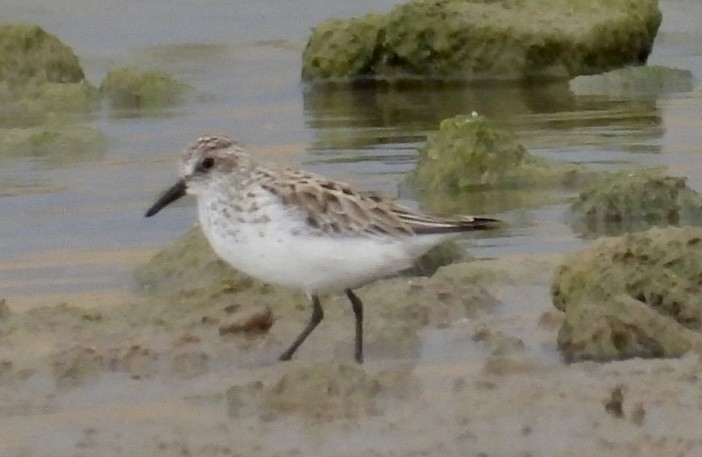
(317, 316)
(357, 306)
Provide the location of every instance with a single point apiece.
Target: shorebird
(297, 229)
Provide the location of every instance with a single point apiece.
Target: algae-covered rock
(483, 39)
(472, 153)
(644, 81)
(342, 47)
(444, 254)
(57, 144)
(623, 328)
(39, 77)
(30, 55)
(129, 87)
(637, 295)
(628, 201)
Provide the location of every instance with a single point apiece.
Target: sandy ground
(130, 380)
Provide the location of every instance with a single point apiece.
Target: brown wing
(336, 207)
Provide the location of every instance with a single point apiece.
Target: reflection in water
(348, 118)
(384, 126)
(596, 123)
(357, 117)
(486, 201)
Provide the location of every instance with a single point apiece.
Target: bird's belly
(276, 245)
(310, 263)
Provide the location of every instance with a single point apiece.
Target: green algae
(470, 153)
(638, 295)
(444, 254)
(342, 47)
(479, 39)
(40, 78)
(31, 56)
(625, 328)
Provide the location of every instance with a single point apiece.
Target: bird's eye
(207, 163)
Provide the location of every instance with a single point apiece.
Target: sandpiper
(301, 230)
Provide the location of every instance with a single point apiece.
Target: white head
(212, 156)
(204, 162)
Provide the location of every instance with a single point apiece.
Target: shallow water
(67, 223)
(72, 229)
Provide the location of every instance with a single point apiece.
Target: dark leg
(317, 316)
(357, 306)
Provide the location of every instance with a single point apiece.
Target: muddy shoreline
(129, 380)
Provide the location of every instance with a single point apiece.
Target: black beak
(171, 195)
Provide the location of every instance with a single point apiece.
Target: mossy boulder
(446, 253)
(30, 55)
(484, 39)
(133, 88)
(342, 47)
(634, 200)
(638, 295)
(472, 153)
(40, 78)
(642, 81)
